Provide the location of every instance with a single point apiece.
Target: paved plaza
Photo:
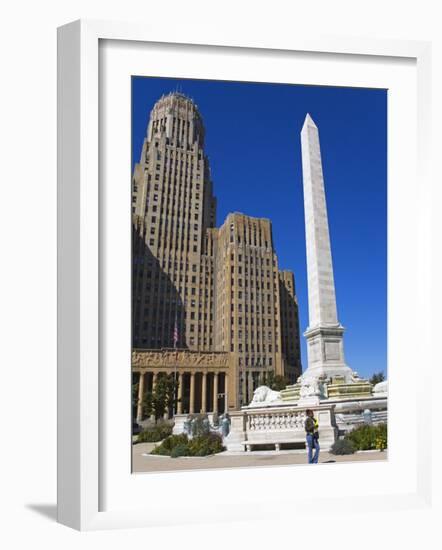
(143, 462)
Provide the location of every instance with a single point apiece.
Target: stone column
(215, 392)
(250, 386)
(204, 392)
(154, 380)
(244, 387)
(154, 383)
(140, 398)
(179, 406)
(226, 392)
(192, 393)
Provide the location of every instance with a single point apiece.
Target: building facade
(209, 304)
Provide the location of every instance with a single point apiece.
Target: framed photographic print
(235, 230)
(216, 354)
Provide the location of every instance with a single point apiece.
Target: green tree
(276, 382)
(377, 377)
(135, 395)
(147, 404)
(163, 398)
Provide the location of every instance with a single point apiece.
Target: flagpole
(175, 341)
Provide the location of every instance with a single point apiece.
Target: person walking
(312, 436)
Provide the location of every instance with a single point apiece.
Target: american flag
(175, 333)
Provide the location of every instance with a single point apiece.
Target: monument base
(318, 386)
(325, 350)
(356, 402)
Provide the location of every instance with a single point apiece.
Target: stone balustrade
(252, 428)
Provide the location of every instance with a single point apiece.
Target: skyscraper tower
(173, 206)
(214, 292)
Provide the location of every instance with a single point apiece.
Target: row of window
(245, 348)
(251, 259)
(252, 283)
(258, 297)
(255, 361)
(270, 321)
(258, 335)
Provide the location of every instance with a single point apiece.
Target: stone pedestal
(235, 440)
(178, 426)
(325, 351)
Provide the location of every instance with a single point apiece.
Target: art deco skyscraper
(220, 288)
(173, 206)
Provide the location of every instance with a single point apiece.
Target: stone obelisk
(324, 335)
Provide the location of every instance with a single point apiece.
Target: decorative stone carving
(276, 421)
(263, 395)
(312, 387)
(225, 425)
(187, 425)
(180, 358)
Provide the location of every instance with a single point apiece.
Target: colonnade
(199, 391)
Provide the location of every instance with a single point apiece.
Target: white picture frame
(81, 395)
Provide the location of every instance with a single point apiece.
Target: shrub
(180, 445)
(180, 450)
(155, 433)
(342, 447)
(368, 437)
(165, 448)
(381, 440)
(206, 445)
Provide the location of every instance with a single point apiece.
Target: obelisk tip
(309, 121)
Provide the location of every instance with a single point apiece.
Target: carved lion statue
(381, 387)
(263, 394)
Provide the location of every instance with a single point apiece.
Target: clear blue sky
(253, 143)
